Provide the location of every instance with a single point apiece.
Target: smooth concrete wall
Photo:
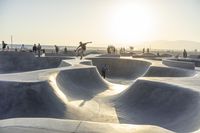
(86, 62)
(179, 64)
(81, 84)
(156, 71)
(155, 103)
(122, 68)
(195, 61)
(46, 125)
(29, 99)
(194, 56)
(109, 55)
(64, 63)
(26, 61)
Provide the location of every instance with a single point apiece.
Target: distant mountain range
(171, 45)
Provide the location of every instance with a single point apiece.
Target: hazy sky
(100, 21)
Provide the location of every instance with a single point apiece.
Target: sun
(130, 23)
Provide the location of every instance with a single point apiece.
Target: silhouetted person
(65, 49)
(108, 50)
(39, 49)
(184, 53)
(34, 48)
(4, 45)
(81, 48)
(114, 50)
(143, 50)
(147, 50)
(56, 49)
(158, 54)
(104, 69)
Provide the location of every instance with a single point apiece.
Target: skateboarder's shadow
(82, 103)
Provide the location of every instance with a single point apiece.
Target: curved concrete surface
(86, 62)
(122, 69)
(27, 99)
(81, 83)
(168, 106)
(196, 56)
(166, 55)
(69, 126)
(179, 64)
(156, 71)
(195, 61)
(144, 55)
(163, 100)
(109, 55)
(64, 63)
(25, 61)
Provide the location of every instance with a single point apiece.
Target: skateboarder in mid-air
(81, 48)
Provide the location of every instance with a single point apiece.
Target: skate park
(69, 95)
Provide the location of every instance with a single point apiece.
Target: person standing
(4, 45)
(104, 69)
(147, 50)
(65, 49)
(143, 50)
(81, 48)
(34, 48)
(39, 49)
(56, 49)
(184, 53)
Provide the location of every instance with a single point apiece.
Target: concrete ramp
(122, 68)
(29, 99)
(192, 60)
(179, 64)
(82, 101)
(168, 106)
(25, 61)
(41, 125)
(81, 84)
(156, 71)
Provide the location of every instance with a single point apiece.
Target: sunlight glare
(130, 23)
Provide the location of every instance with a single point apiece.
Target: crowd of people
(79, 51)
(37, 49)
